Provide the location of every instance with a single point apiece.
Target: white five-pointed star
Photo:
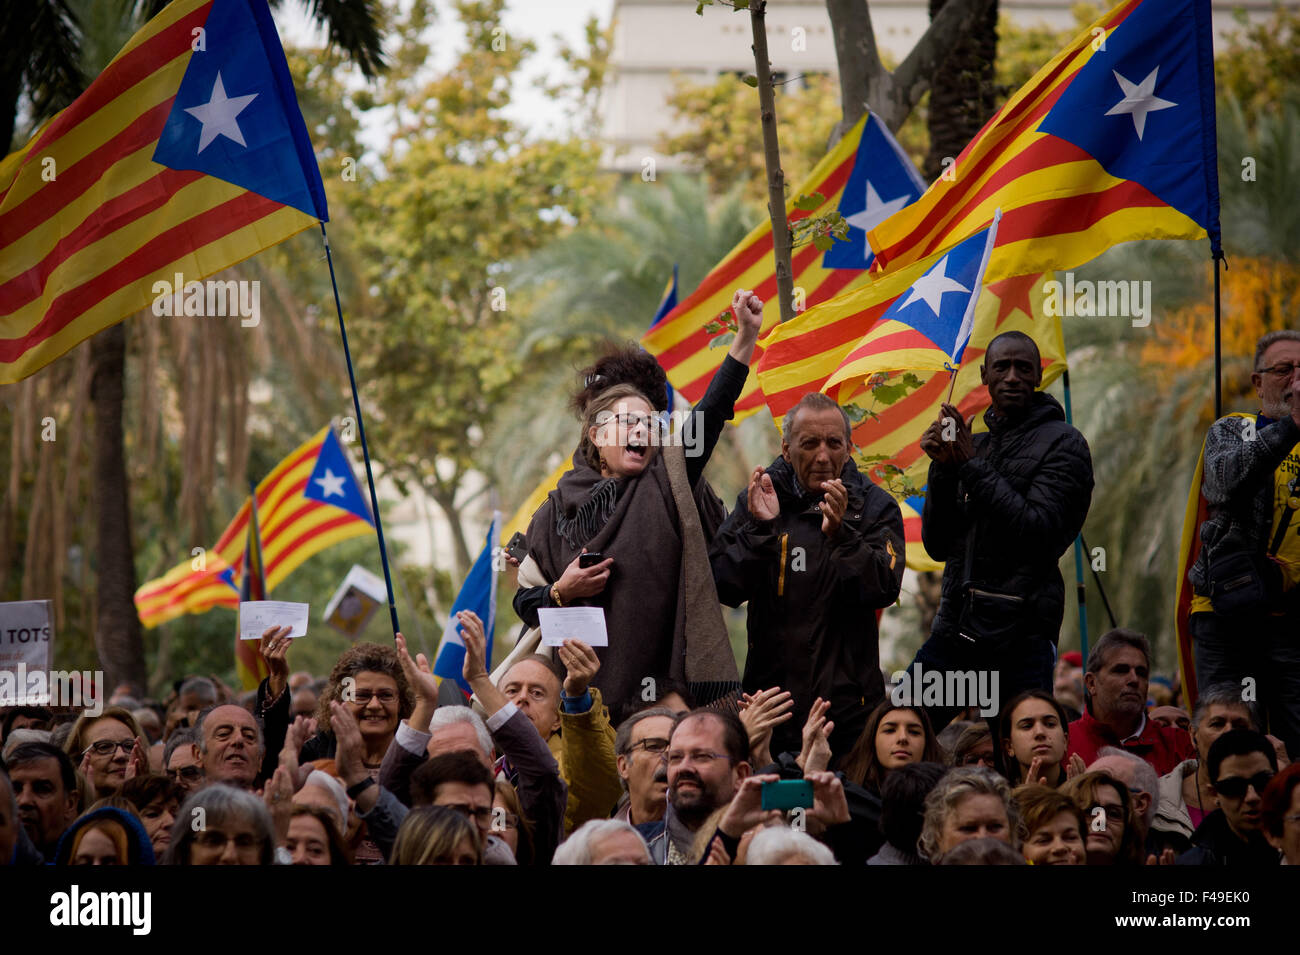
(218, 115)
(875, 213)
(932, 287)
(331, 483)
(1139, 99)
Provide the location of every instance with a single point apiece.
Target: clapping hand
(761, 713)
(763, 503)
(815, 755)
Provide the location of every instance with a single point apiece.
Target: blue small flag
(941, 303)
(666, 305)
(479, 594)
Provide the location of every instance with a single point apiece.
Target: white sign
(26, 643)
(355, 602)
(573, 623)
(257, 616)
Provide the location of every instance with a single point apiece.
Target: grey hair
(218, 803)
(179, 738)
(201, 687)
(775, 844)
(1271, 339)
(986, 851)
(445, 716)
(207, 711)
(1226, 693)
(958, 783)
(1145, 778)
(1114, 639)
(577, 849)
(814, 401)
(623, 738)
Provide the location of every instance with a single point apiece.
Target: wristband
(356, 789)
(555, 595)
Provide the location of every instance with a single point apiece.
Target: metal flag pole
(1079, 587)
(361, 430)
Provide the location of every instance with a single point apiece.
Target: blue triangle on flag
(332, 480)
(236, 117)
(882, 182)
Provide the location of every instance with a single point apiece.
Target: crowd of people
(657, 749)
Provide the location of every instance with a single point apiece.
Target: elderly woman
(1112, 824)
(968, 803)
(156, 800)
(108, 749)
(643, 513)
(235, 829)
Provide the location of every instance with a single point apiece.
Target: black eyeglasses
(105, 747)
(187, 773)
(1282, 370)
(1234, 787)
(651, 744)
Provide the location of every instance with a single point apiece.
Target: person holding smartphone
(635, 503)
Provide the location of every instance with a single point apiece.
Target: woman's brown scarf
(661, 607)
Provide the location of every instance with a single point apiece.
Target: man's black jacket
(1025, 493)
(812, 598)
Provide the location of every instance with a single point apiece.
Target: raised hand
(746, 809)
(830, 805)
(932, 443)
(418, 673)
(475, 666)
(278, 796)
(1075, 767)
(763, 712)
(763, 503)
(815, 755)
(274, 647)
(748, 309)
(137, 764)
(299, 731)
(581, 663)
(962, 447)
(833, 506)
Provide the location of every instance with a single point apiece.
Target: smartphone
(788, 794)
(516, 547)
(590, 560)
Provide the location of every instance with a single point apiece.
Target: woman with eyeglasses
(1112, 831)
(516, 828)
(627, 528)
(974, 747)
(108, 749)
(222, 825)
(369, 680)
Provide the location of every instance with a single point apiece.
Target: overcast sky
(536, 20)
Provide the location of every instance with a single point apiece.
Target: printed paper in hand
(256, 616)
(573, 623)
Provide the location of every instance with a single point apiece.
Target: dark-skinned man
(816, 549)
(1000, 509)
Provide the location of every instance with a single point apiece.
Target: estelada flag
(185, 156)
(310, 501)
(1113, 140)
(803, 355)
(249, 663)
(865, 177)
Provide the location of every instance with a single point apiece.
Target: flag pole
(361, 431)
(1219, 260)
(1079, 587)
(257, 539)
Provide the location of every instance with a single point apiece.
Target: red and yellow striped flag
(1113, 140)
(803, 356)
(309, 501)
(865, 176)
(136, 181)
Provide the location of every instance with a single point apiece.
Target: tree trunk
(864, 81)
(444, 495)
(782, 242)
(117, 631)
(962, 95)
